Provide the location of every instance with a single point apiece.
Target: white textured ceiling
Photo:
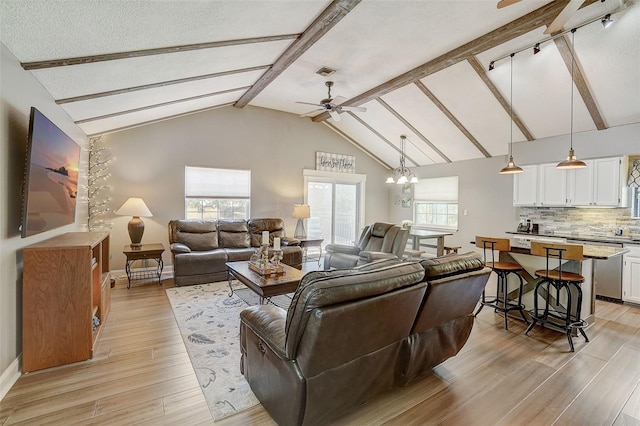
(373, 44)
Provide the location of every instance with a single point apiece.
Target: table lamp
(301, 212)
(135, 207)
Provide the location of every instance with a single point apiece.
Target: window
(217, 193)
(436, 203)
(337, 205)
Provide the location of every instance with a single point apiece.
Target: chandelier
(402, 174)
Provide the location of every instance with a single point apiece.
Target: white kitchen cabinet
(598, 184)
(525, 186)
(552, 186)
(631, 274)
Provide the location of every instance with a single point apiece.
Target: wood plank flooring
(141, 374)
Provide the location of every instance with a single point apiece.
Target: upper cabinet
(598, 184)
(601, 183)
(552, 186)
(525, 186)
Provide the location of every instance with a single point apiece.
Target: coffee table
(264, 286)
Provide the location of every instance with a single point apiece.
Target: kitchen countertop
(585, 238)
(589, 252)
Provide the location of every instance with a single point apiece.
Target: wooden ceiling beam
(155, 85)
(150, 52)
(452, 118)
(482, 73)
(581, 84)
(161, 104)
(375, 132)
(424, 139)
(337, 10)
(357, 145)
(529, 22)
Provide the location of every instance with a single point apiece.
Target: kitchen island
(521, 253)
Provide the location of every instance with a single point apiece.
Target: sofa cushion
(233, 233)
(275, 226)
(198, 235)
(451, 264)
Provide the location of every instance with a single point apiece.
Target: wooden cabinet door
(552, 185)
(525, 186)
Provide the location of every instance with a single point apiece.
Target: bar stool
(560, 280)
(502, 302)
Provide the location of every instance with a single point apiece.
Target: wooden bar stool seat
(501, 302)
(563, 317)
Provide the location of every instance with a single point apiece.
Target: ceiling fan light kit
(607, 21)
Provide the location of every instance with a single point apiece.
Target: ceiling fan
(560, 20)
(331, 105)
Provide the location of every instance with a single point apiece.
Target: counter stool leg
(502, 285)
(520, 307)
(534, 316)
(568, 318)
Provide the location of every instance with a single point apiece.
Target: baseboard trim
(10, 376)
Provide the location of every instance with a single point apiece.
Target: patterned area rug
(209, 321)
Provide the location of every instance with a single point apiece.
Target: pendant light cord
(511, 106)
(573, 34)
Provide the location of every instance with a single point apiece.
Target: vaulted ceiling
(420, 68)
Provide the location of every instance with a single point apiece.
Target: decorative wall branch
(98, 190)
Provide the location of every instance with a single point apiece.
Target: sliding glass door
(336, 201)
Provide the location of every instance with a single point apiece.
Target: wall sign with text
(335, 162)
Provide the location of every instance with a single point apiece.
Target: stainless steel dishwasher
(608, 272)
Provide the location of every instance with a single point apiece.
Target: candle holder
(260, 262)
(276, 258)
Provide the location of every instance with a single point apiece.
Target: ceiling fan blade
(505, 3)
(338, 100)
(308, 103)
(564, 16)
(353, 108)
(334, 115)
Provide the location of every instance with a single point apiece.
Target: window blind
(204, 182)
(444, 189)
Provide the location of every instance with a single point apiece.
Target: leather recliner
(337, 345)
(200, 249)
(377, 241)
(350, 335)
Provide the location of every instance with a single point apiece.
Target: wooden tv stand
(65, 285)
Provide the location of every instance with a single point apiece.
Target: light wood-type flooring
(141, 374)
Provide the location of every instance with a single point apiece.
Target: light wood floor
(141, 374)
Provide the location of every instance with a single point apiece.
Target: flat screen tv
(51, 185)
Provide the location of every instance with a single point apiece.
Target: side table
(305, 243)
(144, 252)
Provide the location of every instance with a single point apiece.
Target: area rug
(209, 321)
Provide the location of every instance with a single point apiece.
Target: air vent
(325, 71)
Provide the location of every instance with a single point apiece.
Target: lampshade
(301, 211)
(402, 175)
(134, 207)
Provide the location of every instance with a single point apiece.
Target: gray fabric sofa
(350, 335)
(200, 248)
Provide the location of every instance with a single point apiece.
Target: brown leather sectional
(200, 248)
(350, 335)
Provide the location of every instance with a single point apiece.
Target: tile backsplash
(582, 221)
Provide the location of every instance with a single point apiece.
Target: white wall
(19, 91)
(275, 146)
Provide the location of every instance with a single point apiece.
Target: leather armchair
(377, 241)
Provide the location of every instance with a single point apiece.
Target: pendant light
(402, 175)
(511, 167)
(571, 162)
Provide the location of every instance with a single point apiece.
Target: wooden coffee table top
(267, 285)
